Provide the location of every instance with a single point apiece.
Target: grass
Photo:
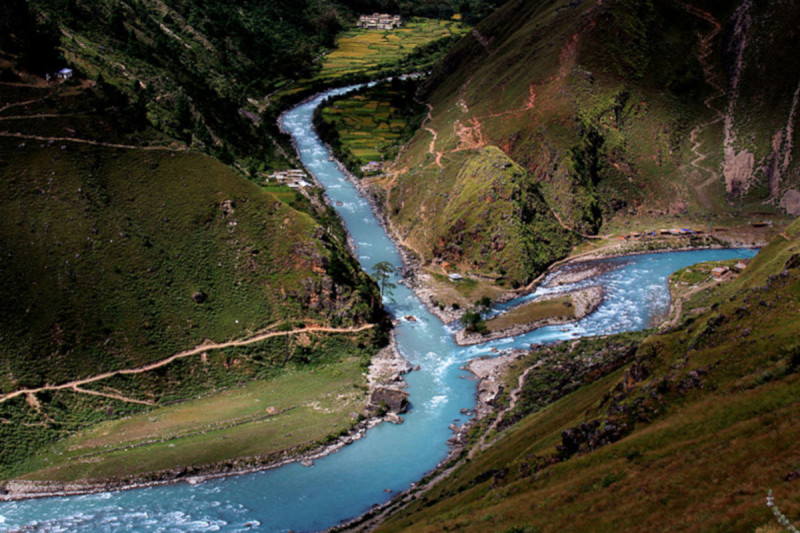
(708, 415)
(73, 210)
(482, 213)
(113, 246)
(259, 419)
(560, 308)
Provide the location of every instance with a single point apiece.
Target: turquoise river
(347, 483)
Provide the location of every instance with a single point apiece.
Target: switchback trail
(76, 384)
(432, 147)
(711, 79)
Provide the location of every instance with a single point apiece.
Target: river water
(391, 457)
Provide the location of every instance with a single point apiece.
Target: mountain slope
(687, 429)
(121, 247)
(616, 110)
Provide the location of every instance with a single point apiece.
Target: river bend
(391, 457)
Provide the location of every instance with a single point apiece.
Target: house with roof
(380, 21)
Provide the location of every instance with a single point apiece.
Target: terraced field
(372, 125)
(361, 53)
(361, 50)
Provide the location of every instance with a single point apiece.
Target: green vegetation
(693, 425)
(118, 256)
(473, 322)
(124, 248)
(381, 272)
(482, 212)
(293, 410)
(370, 125)
(359, 51)
(597, 104)
(112, 249)
(190, 68)
(560, 308)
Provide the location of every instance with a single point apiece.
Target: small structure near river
(380, 21)
(294, 178)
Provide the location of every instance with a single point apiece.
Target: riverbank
(411, 272)
(386, 373)
(583, 302)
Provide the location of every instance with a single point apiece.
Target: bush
(473, 322)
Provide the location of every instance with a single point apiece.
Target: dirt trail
(76, 384)
(433, 132)
(513, 399)
(711, 79)
(23, 103)
(41, 115)
(87, 141)
(114, 396)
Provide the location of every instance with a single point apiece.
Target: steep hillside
(687, 429)
(122, 248)
(212, 74)
(619, 112)
(760, 141)
(189, 68)
(485, 213)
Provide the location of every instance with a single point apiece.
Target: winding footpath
(87, 141)
(206, 346)
(711, 79)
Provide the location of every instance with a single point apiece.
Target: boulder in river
(388, 400)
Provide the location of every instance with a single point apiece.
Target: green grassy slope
(482, 212)
(682, 430)
(285, 394)
(121, 247)
(107, 248)
(598, 103)
(188, 68)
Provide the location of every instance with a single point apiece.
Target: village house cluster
(380, 21)
(294, 178)
(373, 167)
(63, 74)
(724, 273)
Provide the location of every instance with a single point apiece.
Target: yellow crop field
(361, 49)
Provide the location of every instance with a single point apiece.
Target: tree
(473, 322)
(381, 272)
(484, 303)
